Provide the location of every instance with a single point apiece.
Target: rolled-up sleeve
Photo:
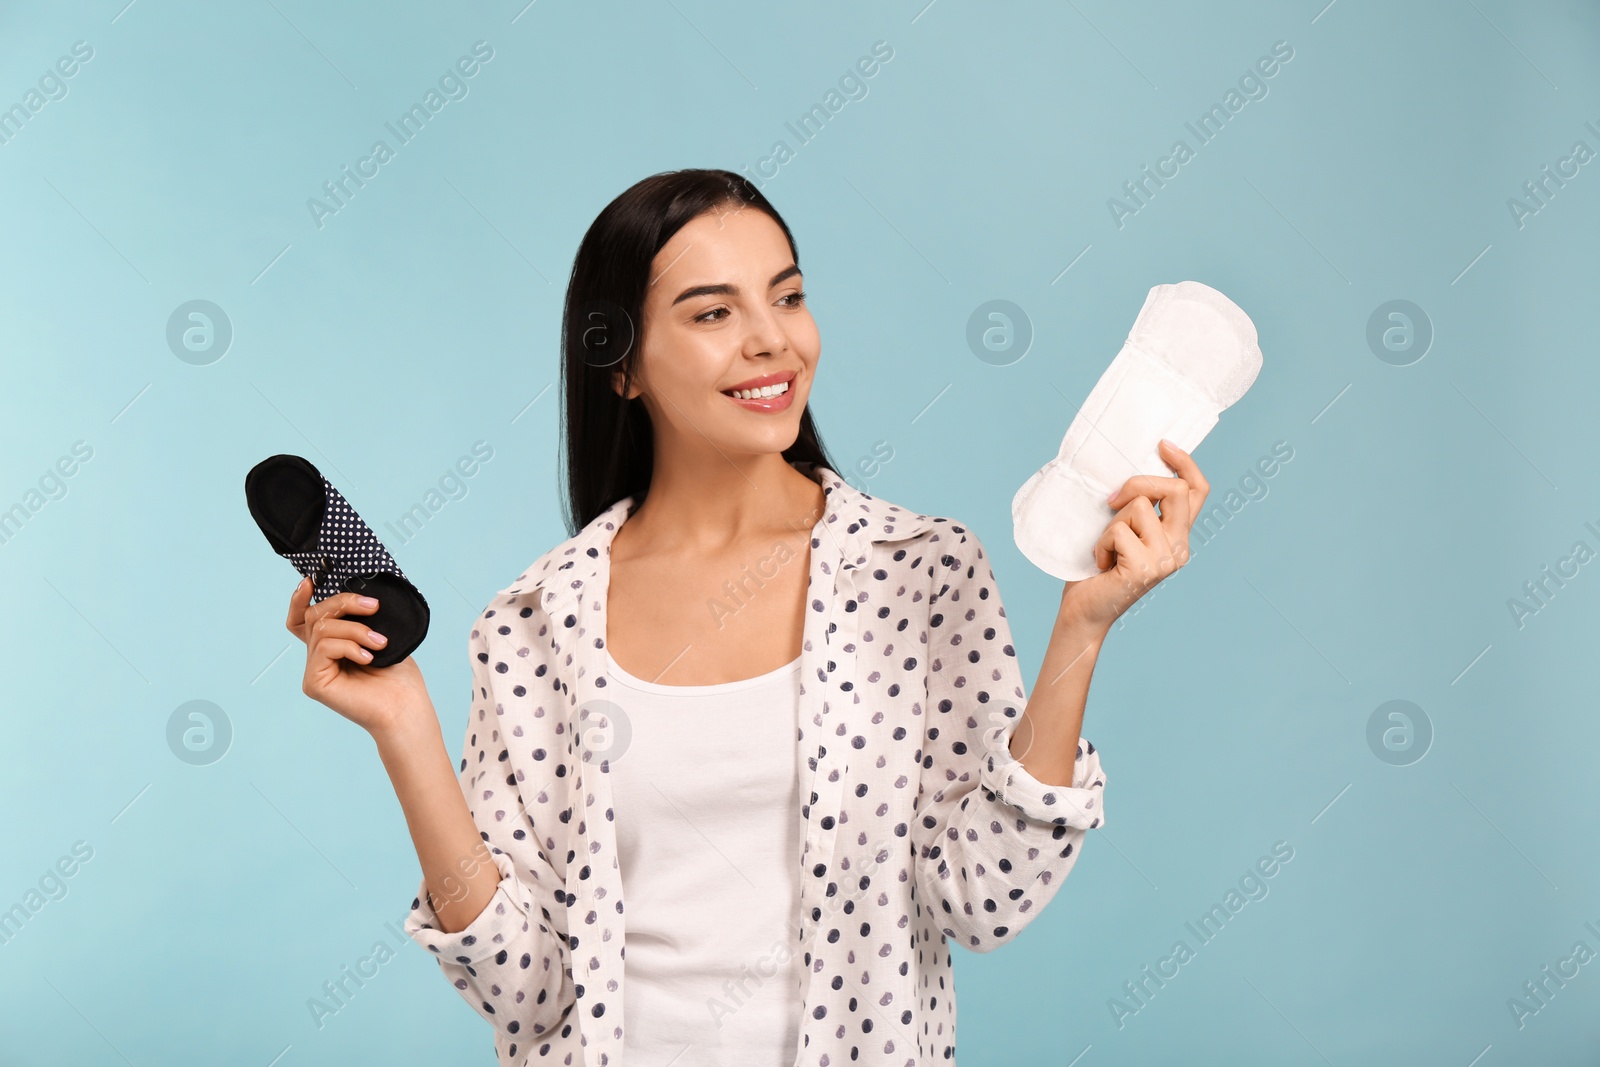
(1078, 804)
(993, 843)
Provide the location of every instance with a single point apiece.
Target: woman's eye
(798, 298)
(707, 316)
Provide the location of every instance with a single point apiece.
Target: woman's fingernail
(366, 601)
(1112, 497)
(376, 638)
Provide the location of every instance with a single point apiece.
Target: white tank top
(707, 805)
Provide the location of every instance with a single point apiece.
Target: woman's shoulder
(912, 539)
(876, 518)
(562, 570)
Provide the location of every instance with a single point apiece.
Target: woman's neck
(708, 503)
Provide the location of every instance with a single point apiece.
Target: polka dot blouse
(918, 828)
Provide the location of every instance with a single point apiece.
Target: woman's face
(725, 307)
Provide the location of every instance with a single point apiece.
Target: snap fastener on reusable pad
(1191, 354)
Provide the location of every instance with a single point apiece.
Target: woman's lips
(768, 404)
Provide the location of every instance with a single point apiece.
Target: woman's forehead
(738, 245)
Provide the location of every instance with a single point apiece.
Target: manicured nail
(366, 601)
(377, 638)
(1112, 497)
(365, 654)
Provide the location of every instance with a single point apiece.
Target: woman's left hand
(1139, 548)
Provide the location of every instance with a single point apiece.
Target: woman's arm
(393, 706)
(1053, 720)
(992, 843)
(491, 908)
(497, 928)
(457, 874)
(1009, 788)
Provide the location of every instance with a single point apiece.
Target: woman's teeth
(764, 391)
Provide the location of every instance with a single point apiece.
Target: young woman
(780, 718)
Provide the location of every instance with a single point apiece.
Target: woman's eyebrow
(725, 289)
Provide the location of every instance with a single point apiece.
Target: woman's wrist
(1077, 631)
(407, 731)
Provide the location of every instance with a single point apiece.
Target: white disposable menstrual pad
(1191, 353)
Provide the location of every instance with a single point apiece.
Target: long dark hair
(610, 450)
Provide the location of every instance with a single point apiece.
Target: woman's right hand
(377, 699)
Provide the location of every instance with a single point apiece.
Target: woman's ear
(616, 386)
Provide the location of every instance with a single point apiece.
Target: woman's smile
(769, 393)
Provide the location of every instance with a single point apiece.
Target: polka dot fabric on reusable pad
(347, 543)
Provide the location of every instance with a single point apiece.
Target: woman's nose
(766, 335)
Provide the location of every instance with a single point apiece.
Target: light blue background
(1231, 709)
